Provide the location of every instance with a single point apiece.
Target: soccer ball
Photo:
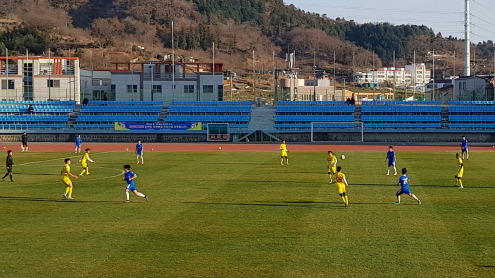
(127, 149)
(342, 157)
(151, 149)
(219, 148)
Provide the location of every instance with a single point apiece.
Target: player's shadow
(486, 266)
(30, 199)
(306, 204)
(36, 174)
(286, 182)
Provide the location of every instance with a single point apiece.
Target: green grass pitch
(241, 214)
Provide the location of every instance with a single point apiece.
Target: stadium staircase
(445, 115)
(163, 114)
(357, 113)
(262, 118)
(74, 114)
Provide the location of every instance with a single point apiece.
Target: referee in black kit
(9, 163)
(24, 139)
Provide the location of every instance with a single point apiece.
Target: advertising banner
(158, 126)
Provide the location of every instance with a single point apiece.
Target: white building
(309, 89)
(154, 81)
(462, 88)
(39, 78)
(401, 76)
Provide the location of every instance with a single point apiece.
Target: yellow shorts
(67, 181)
(283, 153)
(460, 173)
(333, 170)
(84, 165)
(341, 187)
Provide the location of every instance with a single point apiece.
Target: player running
(65, 178)
(78, 143)
(460, 171)
(464, 147)
(9, 163)
(129, 177)
(139, 152)
(331, 165)
(284, 153)
(404, 187)
(391, 159)
(341, 186)
(84, 162)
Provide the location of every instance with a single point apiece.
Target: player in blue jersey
(391, 159)
(78, 143)
(139, 151)
(464, 147)
(404, 187)
(129, 177)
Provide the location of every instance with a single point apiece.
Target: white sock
(467, 155)
(398, 199)
(127, 196)
(141, 194)
(142, 159)
(27, 149)
(395, 169)
(414, 196)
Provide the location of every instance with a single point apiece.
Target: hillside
(237, 27)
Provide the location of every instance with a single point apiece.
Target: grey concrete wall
(33, 137)
(412, 137)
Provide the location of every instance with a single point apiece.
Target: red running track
(42, 146)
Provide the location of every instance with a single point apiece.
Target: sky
(444, 16)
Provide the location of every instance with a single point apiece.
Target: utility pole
(173, 59)
(353, 72)
(374, 74)
(453, 81)
(467, 41)
(254, 74)
(314, 76)
(334, 77)
(433, 94)
(49, 75)
(395, 71)
(415, 70)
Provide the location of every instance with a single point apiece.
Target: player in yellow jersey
(284, 153)
(331, 165)
(65, 178)
(460, 171)
(341, 185)
(84, 162)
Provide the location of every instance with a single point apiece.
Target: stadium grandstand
(236, 113)
(335, 119)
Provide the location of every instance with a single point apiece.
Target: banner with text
(158, 126)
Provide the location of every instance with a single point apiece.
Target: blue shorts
(401, 191)
(391, 163)
(464, 150)
(78, 145)
(139, 152)
(131, 187)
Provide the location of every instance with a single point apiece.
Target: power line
(483, 6)
(474, 25)
(482, 20)
(381, 10)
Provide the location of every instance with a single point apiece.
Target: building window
(220, 92)
(157, 89)
(189, 89)
(11, 84)
(132, 89)
(207, 89)
(53, 83)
